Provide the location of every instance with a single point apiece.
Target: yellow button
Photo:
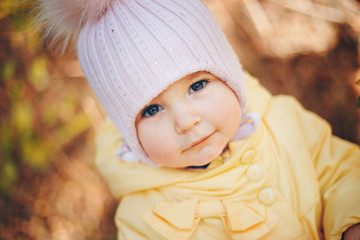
(254, 173)
(248, 156)
(267, 196)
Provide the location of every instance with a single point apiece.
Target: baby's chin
(206, 155)
(199, 160)
(195, 158)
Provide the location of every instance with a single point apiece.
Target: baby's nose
(185, 119)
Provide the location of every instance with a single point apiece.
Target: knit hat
(135, 49)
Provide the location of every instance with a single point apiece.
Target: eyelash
(203, 82)
(146, 113)
(154, 108)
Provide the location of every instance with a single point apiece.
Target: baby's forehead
(197, 74)
(188, 79)
(200, 75)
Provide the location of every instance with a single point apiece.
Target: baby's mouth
(199, 141)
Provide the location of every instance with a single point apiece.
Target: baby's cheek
(157, 151)
(157, 139)
(159, 148)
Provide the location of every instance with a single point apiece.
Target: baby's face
(190, 122)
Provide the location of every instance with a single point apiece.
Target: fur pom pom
(62, 20)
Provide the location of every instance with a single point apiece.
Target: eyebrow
(197, 74)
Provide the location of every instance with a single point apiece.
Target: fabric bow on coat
(179, 220)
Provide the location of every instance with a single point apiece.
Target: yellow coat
(290, 180)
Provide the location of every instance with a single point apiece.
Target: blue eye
(151, 110)
(197, 86)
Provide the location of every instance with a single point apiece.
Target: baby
(205, 152)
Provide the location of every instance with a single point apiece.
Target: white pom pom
(130, 157)
(63, 19)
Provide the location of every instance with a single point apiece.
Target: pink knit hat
(135, 49)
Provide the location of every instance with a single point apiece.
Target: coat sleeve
(337, 166)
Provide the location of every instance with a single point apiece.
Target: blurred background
(49, 187)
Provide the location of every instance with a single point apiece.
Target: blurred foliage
(43, 134)
(358, 100)
(34, 122)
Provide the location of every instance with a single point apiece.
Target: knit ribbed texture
(140, 47)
